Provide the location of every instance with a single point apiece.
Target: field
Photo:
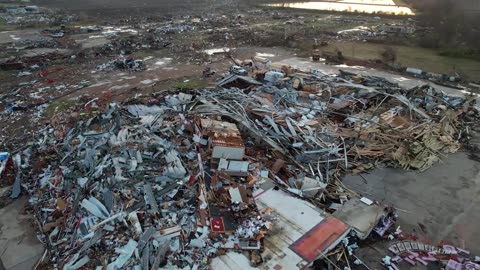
(149, 6)
(426, 59)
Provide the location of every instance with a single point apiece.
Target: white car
(238, 70)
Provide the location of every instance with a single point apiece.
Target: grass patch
(461, 53)
(58, 106)
(83, 22)
(142, 54)
(6, 75)
(190, 84)
(400, 3)
(410, 56)
(6, 5)
(9, 53)
(198, 38)
(4, 26)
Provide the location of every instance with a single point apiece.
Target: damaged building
(231, 177)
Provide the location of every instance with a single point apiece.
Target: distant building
(15, 10)
(32, 9)
(23, 10)
(399, 29)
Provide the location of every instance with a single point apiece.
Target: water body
(363, 6)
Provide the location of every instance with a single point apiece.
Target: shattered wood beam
(267, 140)
(345, 152)
(361, 262)
(144, 240)
(407, 102)
(330, 261)
(96, 237)
(150, 199)
(146, 257)
(161, 256)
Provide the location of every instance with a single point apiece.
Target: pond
(362, 6)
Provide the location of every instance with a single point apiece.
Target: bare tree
(389, 55)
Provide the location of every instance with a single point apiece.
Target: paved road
(19, 246)
(445, 200)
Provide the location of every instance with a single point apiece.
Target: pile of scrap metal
(165, 186)
(143, 187)
(123, 61)
(357, 121)
(193, 179)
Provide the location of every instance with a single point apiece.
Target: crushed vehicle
(238, 70)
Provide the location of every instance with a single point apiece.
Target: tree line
(455, 23)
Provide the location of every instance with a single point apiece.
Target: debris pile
(123, 61)
(136, 171)
(249, 170)
(37, 43)
(177, 179)
(32, 16)
(174, 28)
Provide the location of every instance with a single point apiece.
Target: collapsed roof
(187, 178)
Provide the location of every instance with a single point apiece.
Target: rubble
(192, 176)
(250, 167)
(32, 15)
(123, 61)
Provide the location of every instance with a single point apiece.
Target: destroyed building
(227, 178)
(245, 173)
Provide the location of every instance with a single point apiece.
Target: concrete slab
(363, 218)
(444, 199)
(26, 265)
(19, 244)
